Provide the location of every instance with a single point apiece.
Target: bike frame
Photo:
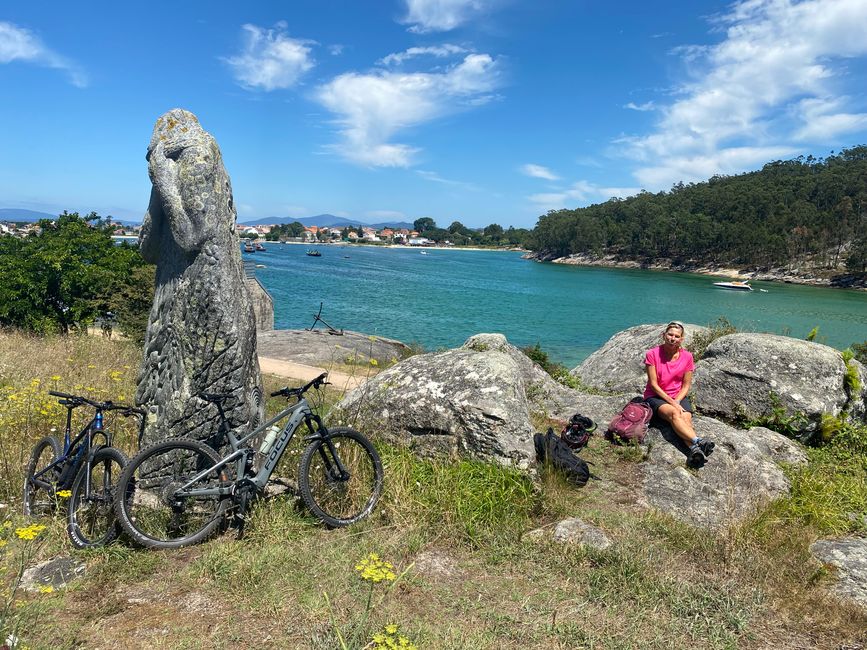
(298, 413)
(87, 434)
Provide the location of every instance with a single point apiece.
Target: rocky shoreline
(824, 278)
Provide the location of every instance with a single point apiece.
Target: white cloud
(646, 106)
(440, 15)
(824, 119)
(436, 178)
(438, 51)
(372, 108)
(763, 87)
(537, 171)
(270, 59)
(580, 193)
(20, 44)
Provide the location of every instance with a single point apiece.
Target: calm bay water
(441, 298)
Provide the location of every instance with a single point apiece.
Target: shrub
(701, 340)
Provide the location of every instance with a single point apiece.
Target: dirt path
(292, 370)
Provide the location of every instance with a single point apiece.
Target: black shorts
(656, 402)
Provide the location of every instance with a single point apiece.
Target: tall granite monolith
(201, 333)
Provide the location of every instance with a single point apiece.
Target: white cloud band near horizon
(766, 91)
(578, 194)
(371, 108)
(270, 59)
(20, 44)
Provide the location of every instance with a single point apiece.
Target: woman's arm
(684, 389)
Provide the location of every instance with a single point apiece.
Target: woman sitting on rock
(669, 377)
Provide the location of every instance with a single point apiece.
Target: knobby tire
(90, 516)
(146, 504)
(335, 500)
(39, 501)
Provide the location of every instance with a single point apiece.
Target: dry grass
(473, 583)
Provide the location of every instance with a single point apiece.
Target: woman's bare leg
(681, 422)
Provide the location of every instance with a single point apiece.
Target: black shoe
(696, 456)
(706, 447)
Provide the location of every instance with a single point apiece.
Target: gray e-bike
(177, 492)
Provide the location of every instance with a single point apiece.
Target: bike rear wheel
(90, 517)
(39, 497)
(150, 505)
(335, 498)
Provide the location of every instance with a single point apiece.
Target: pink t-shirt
(669, 374)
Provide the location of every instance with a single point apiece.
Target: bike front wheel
(90, 517)
(340, 477)
(160, 505)
(39, 484)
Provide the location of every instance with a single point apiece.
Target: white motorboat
(735, 285)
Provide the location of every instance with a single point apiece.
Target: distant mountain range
(326, 221)
(23, 216)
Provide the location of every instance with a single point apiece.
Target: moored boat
(734, 285)
(312, 252)
(260, 246)
(248, 247)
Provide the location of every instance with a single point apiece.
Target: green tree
(423, 224)
(61, 277)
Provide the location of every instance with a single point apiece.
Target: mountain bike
(87, 466)
(177, 492)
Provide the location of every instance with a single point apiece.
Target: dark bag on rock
(632, 422)
(577, 431)
(552, 449)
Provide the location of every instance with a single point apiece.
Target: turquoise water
(441, 298)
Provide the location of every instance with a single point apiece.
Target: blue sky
(482, 111)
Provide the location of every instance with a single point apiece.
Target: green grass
(474, 582)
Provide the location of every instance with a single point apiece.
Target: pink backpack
(632, 422)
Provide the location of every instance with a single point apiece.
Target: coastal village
(310, 234)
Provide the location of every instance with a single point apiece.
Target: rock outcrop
(473, 401)
(618, 366)
(320, 348)
(476, 401)
(748, 375)
(849, 557)
(201, 334)
(740, 476)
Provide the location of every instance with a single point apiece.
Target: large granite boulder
(201, 334)
(618, 366)
(472, 401)
(748, 375)
(740, 476)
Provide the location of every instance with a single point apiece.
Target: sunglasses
(675, 323)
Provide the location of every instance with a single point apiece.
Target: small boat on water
(312, 252)
(734, 285)
(248, 247)
(260, 246)
(423, 252)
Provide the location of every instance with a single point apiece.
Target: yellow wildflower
(55, 377)
(375, 570)
(391, 628)
(29, 532)
(3, 543)
(64, 494)
(374, 362)
(46, 589)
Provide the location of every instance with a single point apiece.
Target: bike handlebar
(78, 400)
(298, 392)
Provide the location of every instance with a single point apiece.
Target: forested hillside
(801, 213)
